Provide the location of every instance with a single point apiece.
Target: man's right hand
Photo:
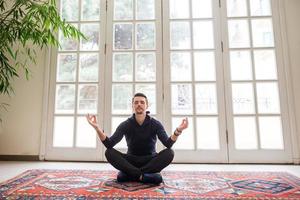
(92, 120)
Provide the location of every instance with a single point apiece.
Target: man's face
(139, 105)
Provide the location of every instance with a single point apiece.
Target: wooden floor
(10, 169)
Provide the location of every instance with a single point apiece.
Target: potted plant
(25, 25)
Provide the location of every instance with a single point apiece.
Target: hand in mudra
(184, 124)
(92, 120)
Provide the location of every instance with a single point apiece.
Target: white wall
(292, 12)
(21, 128)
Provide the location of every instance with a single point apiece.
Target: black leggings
(135, 166)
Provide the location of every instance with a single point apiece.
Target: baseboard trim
(19, 158)
(297, 161)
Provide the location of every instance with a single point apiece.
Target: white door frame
(227, 152)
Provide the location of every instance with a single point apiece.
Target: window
(216, 62)
(134, 56)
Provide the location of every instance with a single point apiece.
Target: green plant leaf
(28, 22)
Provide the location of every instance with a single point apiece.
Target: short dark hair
(139, 94)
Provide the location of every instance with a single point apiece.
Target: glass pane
(236, 8)
(182, 99)
(122, 66)
(87, 99)
(260, 7)
(265, 65)
(150, 91)
(91, 31)
(206, 99)
(204, 66)
(123, 36)
(145, 67)
(240, 65)
(86, 135)
(115, 122)
(145, 9)
(242, 97)
(262, 31)
(121, 98)
(66, 43)
(245, 136)
(63, 132)
(179, 9)
(66, 67)
(88, 69)
(123, 9)
(267, 98)
(181, 69)
(208, 133)
(238, 31)
(65, 99)
(90, 10)
(270, 130)
(187, 140)
(180, 35)
(69, 10)
(203, 35)
(202, 8)
(145, 38)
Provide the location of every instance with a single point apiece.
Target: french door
(217, 62)
(77, 84)
(194, 79)
(258, 129)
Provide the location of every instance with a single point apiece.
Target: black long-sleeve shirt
(141, 139)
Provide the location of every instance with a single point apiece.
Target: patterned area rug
(91, 184)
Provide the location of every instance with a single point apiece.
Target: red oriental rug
(91, 184)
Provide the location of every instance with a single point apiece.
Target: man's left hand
(184, 124)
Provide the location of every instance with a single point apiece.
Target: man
(141, 162)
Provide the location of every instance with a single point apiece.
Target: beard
(139, 111)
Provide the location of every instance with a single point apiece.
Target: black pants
(135, 166)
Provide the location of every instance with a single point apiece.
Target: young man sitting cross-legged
(141, 162)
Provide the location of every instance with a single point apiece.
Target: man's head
(139, 103)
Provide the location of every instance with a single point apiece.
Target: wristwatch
(177, 132)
